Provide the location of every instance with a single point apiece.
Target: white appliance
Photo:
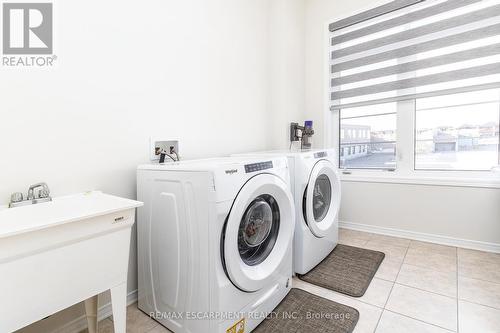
(315, 185)
(214, 242)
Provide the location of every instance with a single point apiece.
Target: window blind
(411, 49)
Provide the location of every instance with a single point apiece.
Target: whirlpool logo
(232, 171)
(28, 34)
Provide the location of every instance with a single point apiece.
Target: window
(380, 122)
(415, 88)
(458, 132)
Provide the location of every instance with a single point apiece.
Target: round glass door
(322, 197)
(258, 230)
(321, 202)
(258, 233)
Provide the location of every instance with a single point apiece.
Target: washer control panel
(320, 154)
(258, 166)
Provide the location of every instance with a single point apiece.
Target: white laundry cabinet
(56, 254)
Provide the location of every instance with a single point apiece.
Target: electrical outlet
(157, 146)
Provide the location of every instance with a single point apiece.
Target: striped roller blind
(410, 49)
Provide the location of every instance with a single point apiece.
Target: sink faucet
(43, 195)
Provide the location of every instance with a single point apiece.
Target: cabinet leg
(91, 312)
(119, 304)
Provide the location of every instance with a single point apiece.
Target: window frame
(363, 143)
(453, 170)
(405, 172)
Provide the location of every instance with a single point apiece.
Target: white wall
(193, 70)
(457, 212)
(286, 68)
(461, 213)
(318, 14)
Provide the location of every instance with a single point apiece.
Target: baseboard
(420, 236)
(79, 324)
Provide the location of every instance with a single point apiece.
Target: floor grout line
(427, 291)
(390, 292)
(386, 280)
(476, 303)
(393, 283)
(152, 328)
(430, 269)
(419, 320)
(473, 278)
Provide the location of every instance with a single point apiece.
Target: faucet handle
(16, 197)
(43, 193)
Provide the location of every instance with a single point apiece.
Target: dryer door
(258, 232)
(321, 202)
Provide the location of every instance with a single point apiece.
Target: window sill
(492, 180)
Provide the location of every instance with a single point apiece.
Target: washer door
(321, 202)
(258, 232)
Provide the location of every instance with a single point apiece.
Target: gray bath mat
(347, 270)
(302, 312)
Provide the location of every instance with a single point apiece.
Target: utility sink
(59, 253)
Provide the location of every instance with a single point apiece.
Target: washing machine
(215, 242)
(315, 184)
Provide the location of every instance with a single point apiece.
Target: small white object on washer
(316, 188)
(214, 241)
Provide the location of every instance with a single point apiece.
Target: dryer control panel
(258, 166)
(321, 154)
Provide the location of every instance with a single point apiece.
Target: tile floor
(137, 322)
(420, 287)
